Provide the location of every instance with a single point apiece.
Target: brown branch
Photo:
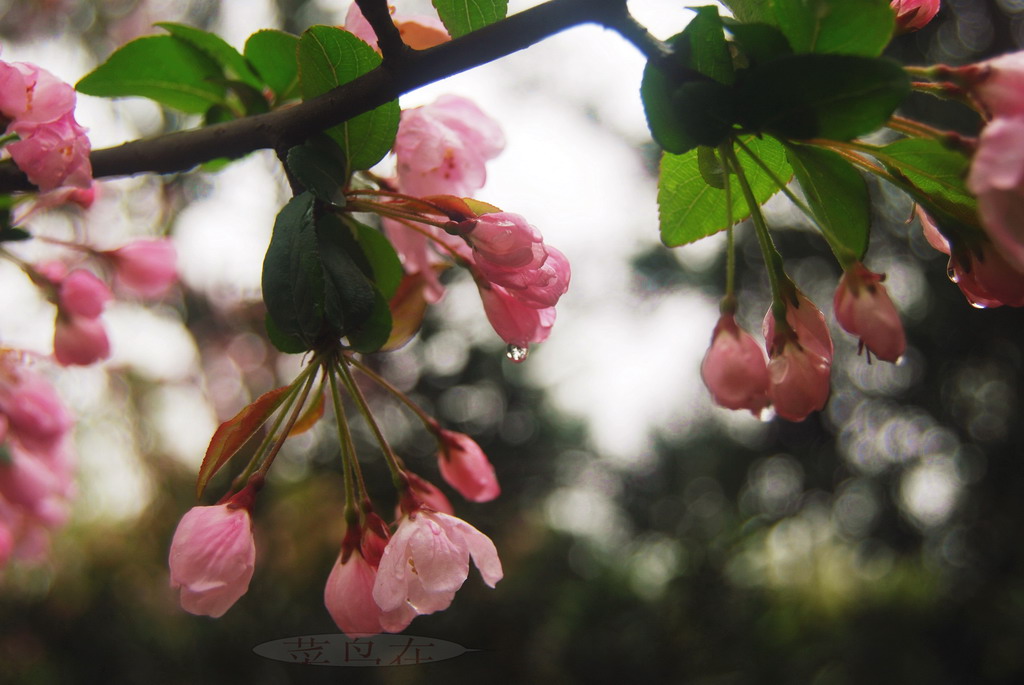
(289, 126)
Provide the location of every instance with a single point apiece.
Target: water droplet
(952, 275)
(976, 304)
(516, 353)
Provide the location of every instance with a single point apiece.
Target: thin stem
(428, 421)
(348, 453)
(393, 462)
(772, 258)
(730, 244)
(292, 418)
(915, 128)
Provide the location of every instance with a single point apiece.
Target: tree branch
(283, 128)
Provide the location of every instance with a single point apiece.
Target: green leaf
(384, 263)
(690, 209)
(235, 432)
(463, 16)
(838, 197)
(933, 175)
(293, 278)
(821, 96)
(330, 57)
(694, 106)
(282, 341)
(376, 330)
(848, 27)
(235, 66)
(759, 43)
(349, 295)
(319, 166)
(751, 11)
(163, 68)
(273, 54)
(711, 168)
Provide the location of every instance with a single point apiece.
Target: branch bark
(289, 126)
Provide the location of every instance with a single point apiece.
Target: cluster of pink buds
(913, 15)
(36, 461)
(385, 575)
(145, 268)
(795, 378)
(38, 108)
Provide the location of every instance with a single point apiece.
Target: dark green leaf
(708, 51)
(163, 68)
(293, 278)
(933, 175)
(320, 167)
(751, 11)
(349, 297)
(273, 54)
(235, 66)
(821, 96)
(376, 330)
(282, 341)
(463, 16)
(759, 43)
(384, 263)
(848, 27)
(690, 209)
(711, 169)
(837, 195)
(330, 57)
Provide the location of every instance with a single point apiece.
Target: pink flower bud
(83, 294)
(34, 414)
(913, 15)
(505, 241)
(426, 562)
(422, 493)
(998, 84)
(54, 153)
(147, 268)
(212, 558)
(516, 323)
(466, 468)
(734, 368)
(809, 325)
(863, 308)
(348, 594)
(442, 148)
(997, 179)
(6, 542)
(799, 382)
(78, 341)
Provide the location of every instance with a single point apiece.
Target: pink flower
(427, 561)
(33, 414)
(348, 594)
(212, 558)
(912, 15)
(418, 32)
(800, 360)
(442, 148)
(83, 294)
(863, 308)
(734, 368)
(31, 94)
(422, 493)
(998, 84)
(145, 267)
(6, 542)
(997, 179)
(516, 323)
(53, 154)
(466, 468)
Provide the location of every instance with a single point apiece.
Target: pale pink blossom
(516, 323)
(734, 369)
(82, 294)
(426, 562)
(79, 341)
(466, 468)
(912, 15)
(147, 268)
(417, 32)
(31, 94)
(863, 308)
(996, 178)
(53, 154)
(212, 558)
(443, 148)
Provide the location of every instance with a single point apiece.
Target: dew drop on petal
(952, 275)
(516, 353)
